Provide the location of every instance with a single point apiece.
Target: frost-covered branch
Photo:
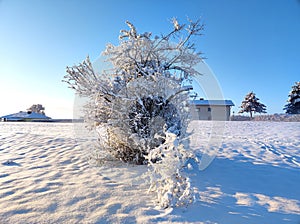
(139, 107)
(85, 82)
(147, 55)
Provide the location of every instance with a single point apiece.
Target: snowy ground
(45, 178)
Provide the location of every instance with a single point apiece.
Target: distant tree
(251, 104)
(37, 108)
(293, 106)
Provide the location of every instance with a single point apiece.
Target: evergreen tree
(251, 104)
(293, 106)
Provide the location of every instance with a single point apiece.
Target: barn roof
(213, 102)
(24, 116)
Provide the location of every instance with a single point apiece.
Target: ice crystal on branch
(138, 103)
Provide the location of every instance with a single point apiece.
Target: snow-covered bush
(140, 105)
(173, 187)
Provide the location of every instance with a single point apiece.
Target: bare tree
(139, 106)
(158, 66)
(37, 108)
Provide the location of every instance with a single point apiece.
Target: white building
(212, 109)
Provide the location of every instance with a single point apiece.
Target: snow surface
(254, 177)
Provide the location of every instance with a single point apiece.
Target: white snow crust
(254, 178)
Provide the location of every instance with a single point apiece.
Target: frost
(139, 106)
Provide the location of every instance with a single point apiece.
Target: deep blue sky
(251, 45)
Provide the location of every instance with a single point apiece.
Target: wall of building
(211, 113)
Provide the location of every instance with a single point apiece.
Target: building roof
(25, 116)
(213, 102)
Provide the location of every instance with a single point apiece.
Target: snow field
(254, 178)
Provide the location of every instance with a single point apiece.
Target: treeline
(271, 117)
